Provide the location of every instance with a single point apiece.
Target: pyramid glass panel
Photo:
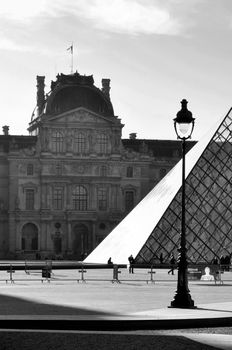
(153, 226)
(208, 206)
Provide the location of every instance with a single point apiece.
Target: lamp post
(184, 124)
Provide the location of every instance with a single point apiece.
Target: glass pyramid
(153, 226)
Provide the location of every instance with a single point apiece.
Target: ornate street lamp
(184, 124)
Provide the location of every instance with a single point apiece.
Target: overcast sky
(156, 52)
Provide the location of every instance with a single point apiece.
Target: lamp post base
(183, 300)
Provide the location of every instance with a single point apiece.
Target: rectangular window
(129, 171)
(79, 198)
(80, 143)
(57, 142)
(114, 197)
(102, 198)
(59, 169)
(79, 202)
(30, 199)
(58, 198)
(102, 143)
(30, 169)
(129, 200)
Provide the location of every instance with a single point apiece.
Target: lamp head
(184, 122)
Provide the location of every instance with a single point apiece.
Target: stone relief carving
(79, 116)
(78, 168)
(129, 154)
(25, 152)
(29, 151)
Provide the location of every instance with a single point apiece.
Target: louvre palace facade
(66, 185)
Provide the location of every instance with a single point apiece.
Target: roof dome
(72, 91)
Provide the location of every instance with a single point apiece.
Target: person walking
(131, 263)
(172, 262)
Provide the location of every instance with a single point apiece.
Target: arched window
(80, 143)
(79, 198)
(30, 169)
(129, 171)
(57, 142)
(102, 143)
(29, 237)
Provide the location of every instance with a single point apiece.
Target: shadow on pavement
(95, 341)
(216, 310)
(10, 305)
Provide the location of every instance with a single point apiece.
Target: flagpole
(71, 51)
(72, 59)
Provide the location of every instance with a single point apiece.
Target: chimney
(106, 87)
(133, 136)
(5, 130)
(40, 94)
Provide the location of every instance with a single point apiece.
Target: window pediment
(29, 184)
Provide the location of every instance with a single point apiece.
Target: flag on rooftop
(70, 48)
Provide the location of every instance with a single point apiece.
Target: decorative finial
(184, 103)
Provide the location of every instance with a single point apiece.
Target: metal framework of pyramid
(153, 226)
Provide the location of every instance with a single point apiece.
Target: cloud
(118, 16)
(21, 10)
(10, 45)
(126, 16)
(7, 44)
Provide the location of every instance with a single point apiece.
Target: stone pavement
(113, 313)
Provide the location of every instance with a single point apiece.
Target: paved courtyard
(98, 295)
(99, 301)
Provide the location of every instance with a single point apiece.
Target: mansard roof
(8, 142)
(157, 148)
(74, 90)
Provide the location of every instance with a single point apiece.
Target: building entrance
(29, 237)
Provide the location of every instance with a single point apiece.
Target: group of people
(131, 263)
(223, 261)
